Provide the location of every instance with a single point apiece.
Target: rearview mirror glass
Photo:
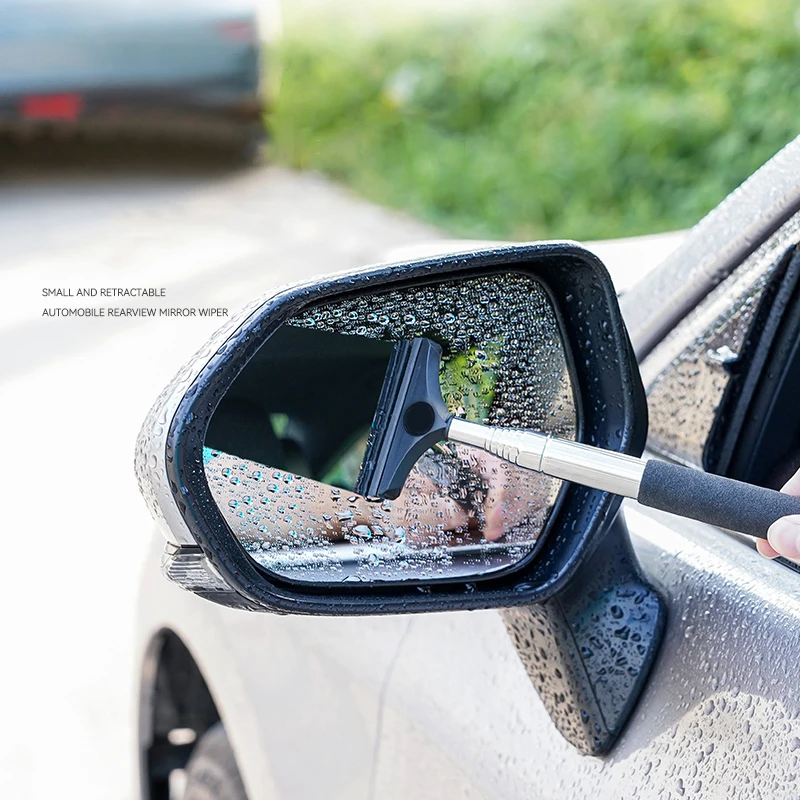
(284, 447)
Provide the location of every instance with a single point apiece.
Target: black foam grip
(718, 501)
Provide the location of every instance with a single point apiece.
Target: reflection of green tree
(469, 380)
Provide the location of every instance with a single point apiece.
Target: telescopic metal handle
(719, 501)
(559, 458)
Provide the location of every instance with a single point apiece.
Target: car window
(691, 373)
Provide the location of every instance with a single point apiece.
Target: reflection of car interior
(302, 401)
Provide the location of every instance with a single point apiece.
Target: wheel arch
(176, 708)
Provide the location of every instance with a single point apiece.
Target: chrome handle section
(559, 458)
(591, 466)
(523, 448)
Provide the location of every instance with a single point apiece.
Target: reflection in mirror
(285, 445)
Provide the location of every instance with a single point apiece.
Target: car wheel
(249, 144)
(212, 773)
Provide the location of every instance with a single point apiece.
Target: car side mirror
(301, 463)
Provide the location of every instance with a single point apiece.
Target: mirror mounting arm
(588, 649)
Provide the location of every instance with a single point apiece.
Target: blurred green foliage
(601, 119)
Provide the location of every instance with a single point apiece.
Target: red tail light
(52, 107)
(238, 30)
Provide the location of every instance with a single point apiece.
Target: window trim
(713, 249)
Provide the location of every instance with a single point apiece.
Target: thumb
(783, 537)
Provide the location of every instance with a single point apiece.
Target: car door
(720, 716)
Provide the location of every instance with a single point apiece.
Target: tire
(212, 773)
(247, 144)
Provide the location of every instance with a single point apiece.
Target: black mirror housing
(585, 622)
(612, 414)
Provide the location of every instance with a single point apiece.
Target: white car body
(440, 706)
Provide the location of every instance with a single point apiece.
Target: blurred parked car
(192, 69)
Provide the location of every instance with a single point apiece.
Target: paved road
(72, 395)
